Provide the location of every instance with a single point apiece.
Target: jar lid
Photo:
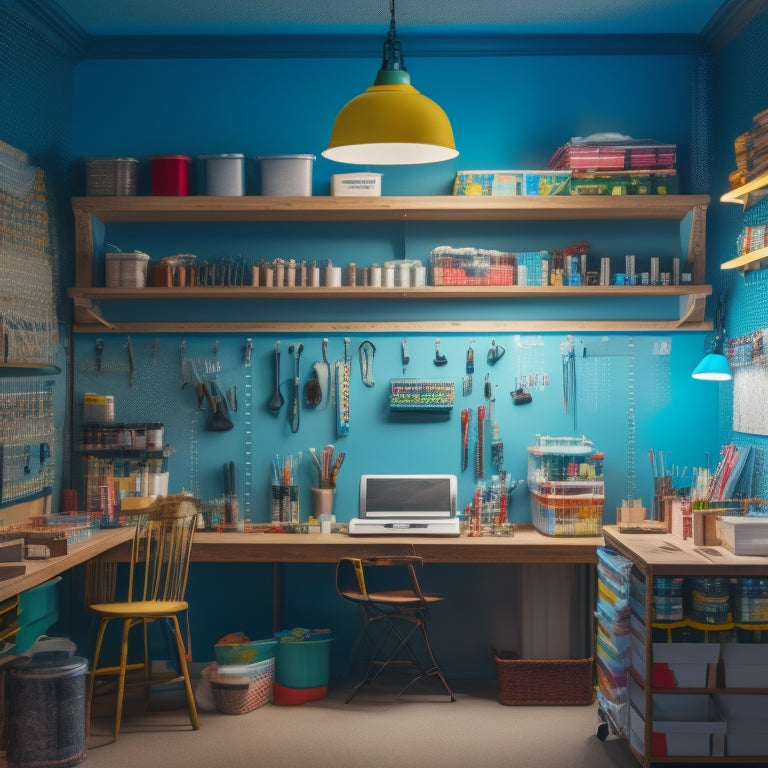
(50, 665)
(111, 160)
(285, 157)
(169, 157)
(221, 157)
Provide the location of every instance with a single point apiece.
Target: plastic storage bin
(303, 663)
(224, 174)
(676, 665)
(565, 480)
(170, 175)
(286, 175)
(245, 653)
(110, 176)
(745, 665)
(46, 707)
(125, 270)
(746, 715)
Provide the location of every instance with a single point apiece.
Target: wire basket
(247, 687)
(541, 682)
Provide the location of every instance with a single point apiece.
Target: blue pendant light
(715, 366)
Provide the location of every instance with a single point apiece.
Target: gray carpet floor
(376, 729)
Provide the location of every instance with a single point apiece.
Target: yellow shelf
(746, 259)
(741, 195)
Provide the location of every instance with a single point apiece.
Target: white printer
(406, 504)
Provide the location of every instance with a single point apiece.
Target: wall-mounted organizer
(421, 395)
(27, 438)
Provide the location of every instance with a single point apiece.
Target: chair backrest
(352, 574)
(162, 548)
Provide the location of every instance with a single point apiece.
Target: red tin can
(170, 174)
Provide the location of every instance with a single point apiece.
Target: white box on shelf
(676, 665)
(746, 715)
(351, 184)
(746, 665)
(744, 535)
(684, 724)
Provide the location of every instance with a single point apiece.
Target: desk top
(527, 545)
(668, 555)
(39, 571)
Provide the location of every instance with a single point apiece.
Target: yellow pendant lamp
(391, 123)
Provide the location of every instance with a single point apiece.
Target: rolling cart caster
(602, 731)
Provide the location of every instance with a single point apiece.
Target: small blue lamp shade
(713, 367)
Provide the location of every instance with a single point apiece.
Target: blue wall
(507, 112)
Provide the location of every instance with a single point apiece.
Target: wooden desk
(526, 546)
(39, 571)
(663, 554)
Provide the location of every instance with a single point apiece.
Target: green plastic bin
(303, 663)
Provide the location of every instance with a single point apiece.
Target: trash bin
(45, 699)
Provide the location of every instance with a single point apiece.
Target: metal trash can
(45, 699)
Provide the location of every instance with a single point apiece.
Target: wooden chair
(157, 583)
(394, 620)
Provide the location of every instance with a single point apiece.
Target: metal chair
(157, 583)
(394, 620)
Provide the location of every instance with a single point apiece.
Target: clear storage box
(565, 480)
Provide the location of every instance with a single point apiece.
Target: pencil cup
(284, 504)
(322, 501)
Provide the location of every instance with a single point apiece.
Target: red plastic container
(170, 174)
(283, 695)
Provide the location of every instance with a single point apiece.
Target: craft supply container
(286, 175)
(170, 175)
(224, 174)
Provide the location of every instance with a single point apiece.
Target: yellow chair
(394, 620)
(157, 584)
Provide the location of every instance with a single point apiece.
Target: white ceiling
(243, 17)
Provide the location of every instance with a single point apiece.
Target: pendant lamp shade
(713, 367)
(391, 123)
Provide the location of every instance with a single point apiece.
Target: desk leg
(277, 596)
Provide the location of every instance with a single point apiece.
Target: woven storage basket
(540, 682)
(238, 694)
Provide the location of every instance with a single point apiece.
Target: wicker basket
(541, 682)
(243, 692)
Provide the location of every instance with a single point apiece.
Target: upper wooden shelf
(440, 208)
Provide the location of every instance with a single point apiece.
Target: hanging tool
(495, 353)
(404, 354)
(568, 355)
(248, 351)
(497, 444)
(342, 371)
(316, 387)
(470, 369)
(218, 417)
(480, 447)
(366, 351)
(182, 352)
(131, 366)
(295, 409)
(99, 353)
(277, 399)
(465, 415)
(440, 359)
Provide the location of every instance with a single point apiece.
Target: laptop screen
(407, 496)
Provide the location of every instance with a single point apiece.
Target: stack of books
(751, 149)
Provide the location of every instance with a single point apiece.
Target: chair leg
(147, 663)
(184, 668)
(121, 676)
(92, 679)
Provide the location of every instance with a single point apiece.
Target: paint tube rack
(421, 395)
(567, 491)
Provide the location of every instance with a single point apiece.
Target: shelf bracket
(86, 312)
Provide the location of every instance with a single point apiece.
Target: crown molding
(729, 22)
(59, 28)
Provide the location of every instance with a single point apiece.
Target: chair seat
(139, 608)
(393, 597)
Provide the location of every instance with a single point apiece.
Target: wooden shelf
(746, 259)
(748, 193)
(149, 209)
(424, 208)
